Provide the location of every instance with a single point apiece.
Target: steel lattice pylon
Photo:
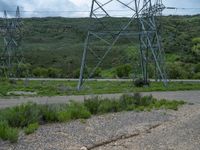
(11, 56)
(108, 33)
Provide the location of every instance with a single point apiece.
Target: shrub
(132, 101)
(107, 106)
(23, 115)
(64, 116)
(40, 72)
(140, 82)
(97, 73)
(92, 104)
(128, 102)
(78, 111)
(197, 68)
(54, 73)
(197, 75)
(123, 71)
(31, 128)
(76, 73)
(177, 71)
(8, 133)
(49, 113)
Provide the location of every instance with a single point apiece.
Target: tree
(196, 46)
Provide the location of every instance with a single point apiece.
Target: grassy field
(54, 88)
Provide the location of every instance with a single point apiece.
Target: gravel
(188, 96)
(178, 130)
(76, 134)
(182, 133)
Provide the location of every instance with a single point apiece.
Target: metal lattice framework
(11, 56)
(140, 21)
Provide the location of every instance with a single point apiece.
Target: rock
(19, 93)
(83, 148)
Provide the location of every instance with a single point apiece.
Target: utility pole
(107, 32)
(11, 57)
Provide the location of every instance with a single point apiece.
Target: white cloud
(79, 5)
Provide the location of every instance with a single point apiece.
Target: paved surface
(188, 96)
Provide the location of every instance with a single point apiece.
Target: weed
(8, 133)
(78, 111)
(23, 115)
(92, 104)
(64, 116)
(31, 128)
(107, 106)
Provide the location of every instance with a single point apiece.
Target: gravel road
(188, 96)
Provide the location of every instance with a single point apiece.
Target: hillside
(57, 44)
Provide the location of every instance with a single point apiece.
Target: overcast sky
(82, 5)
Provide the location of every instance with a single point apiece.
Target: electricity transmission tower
(11, 57)
(104, 33)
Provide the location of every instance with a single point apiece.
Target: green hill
(57, 44)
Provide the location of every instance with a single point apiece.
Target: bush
(92, 104)
(40, 72)
(8, 133)
(108, 106)
(170, 104)
(178, 71)
(97, 73)
(54, 73)
(140, 82)
(47, 72)
(78, 111)
(64, 116)
(49, 113)
(31, 128)
(23, 115)
(124, 70)
(197, 75)
(76, 73)
(197, 68)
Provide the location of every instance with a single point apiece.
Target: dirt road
(188, 96)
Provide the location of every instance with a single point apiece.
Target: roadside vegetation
(54, 88)
(28, 117)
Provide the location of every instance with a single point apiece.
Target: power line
(114, 10)
(182, 8)
(52, 11)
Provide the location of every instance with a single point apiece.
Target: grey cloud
(51, 5)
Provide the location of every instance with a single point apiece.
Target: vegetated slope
(58, 43)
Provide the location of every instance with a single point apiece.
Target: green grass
(129, 103)
(31, 128)
(29, 116)
(8, 133)
(53, 88)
